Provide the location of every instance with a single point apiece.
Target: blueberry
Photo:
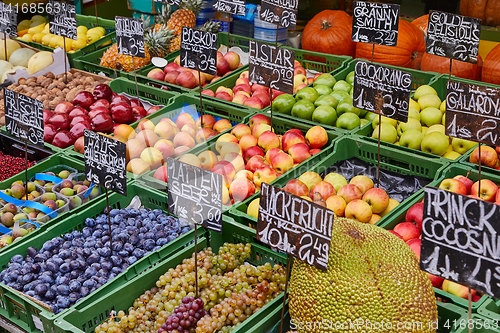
(32, 293)
(77, 242)
(149, 235)
(15, 266)
(156, 248)
(28, 286)
(111, 276)
(161, 241)
(125, 266)
(89, 222)
(75, 274)
(89, 284)
(17, 258)
(98, 244)
(102, 272)
(157, 212)
(121, 253)
(96, 265)
(74, 285)
(41, 289)
(128, 247)
(160, 234)
(133, 239)
(64, 268)
(25, 270)
(185, 230)
(74, 265)
(97, 234)
(55, 308)
(117, 246)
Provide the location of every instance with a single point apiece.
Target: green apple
(303, 109)
(436, 128)
(326, 100)
(414, 104)
(326, 79)
(370, 116)
(410, 124)
(452, 155)
(435, 143)
(308, 93)
(323, 89)
(424, 130)
(284, 103)
(388, 132)
(349, 78)
(342, 85)
(430, 116)
(429, 100)
(363, 122)
(423, 90)
(348, 121)
(325, 114)
(442, 107)
(411, 138)
(362, 113)
(336, 180)
(346, 106)
(414, 113)
(340, 94)
(443, 120)
(461, 146)
(391, 121)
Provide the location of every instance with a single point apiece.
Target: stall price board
(8, 19)
(130, 36)
(376, 23)
(281, 13)
(170, 2)
(199, 50)
(62, 19)
(235, 7)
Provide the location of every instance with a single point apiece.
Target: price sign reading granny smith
(8, 19)
(279, 12)
(376, 23)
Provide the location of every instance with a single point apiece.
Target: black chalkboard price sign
(62, 19)
(453, 36)
(105, 162)
(8, 19)
(382, 90)
(199, 50)
(271, 66)
(473, 112)
(295, 226)
(195, 195)
(170, 2)
(279, 12)
(235, 7)
(24, 117)
(130, 36)
(376, 23)
(460, 240)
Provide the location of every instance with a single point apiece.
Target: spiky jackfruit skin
(373, 278)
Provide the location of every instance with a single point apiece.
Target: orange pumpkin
(466, 70)
(421, 22)
(491, 66)
(329, 31)
(407, 53)
(488, 11)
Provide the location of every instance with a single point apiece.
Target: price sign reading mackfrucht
(473, 112)
(8, 19)
(235, 7)
(375, 23)
(195, 195)
(279, 12)
(382, 90)
(453, 36)
(24, 117)
(460, 239)
(62, 19)
(271, 66)
(130, 36)
(199, 50)
(295, 226)
(105, 162)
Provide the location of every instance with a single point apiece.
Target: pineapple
(211, 26)
(185, 16)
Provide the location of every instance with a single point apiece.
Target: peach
(241, 188)
(161, 174)
(190, 159)
(145, 124)
(190, 129)
(148, 137)
(222, 125)
(134, 148)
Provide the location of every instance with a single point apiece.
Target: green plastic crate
(90, 63)
(85, 317)
(490, 309)
(392, 159)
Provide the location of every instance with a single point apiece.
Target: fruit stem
(325, 25)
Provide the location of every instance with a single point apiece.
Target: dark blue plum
(73, 297)
(74, 285)
(123, 253)
(116, 260)
(41, 289)
(86, 232)
(104, 251)
(63, 302)
(131, 260)
(93, 258)
(161, 241)
(74, 274)
(117, 246)
(32, 293)
(51, 266)
(149, 244)
(84, 291)
(116, 270)
(68, 236)
(66, 245)
(90, 222)
(74, 265)
(31, 252)
(89, 272)
(107, 264)
(64, 268)
(17, 258)
(50, 295)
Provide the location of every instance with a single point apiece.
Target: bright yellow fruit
(253, 208)
(92, 37)
(423, 90)
(46, 39)
(81, 29)
(78, 44)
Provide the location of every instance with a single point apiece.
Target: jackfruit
(373, 284)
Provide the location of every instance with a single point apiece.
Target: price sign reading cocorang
(235, 7)
(199, 50)
(453, 36)
(460, 240)
(195, 195)
(295, 226)
(271, 66)
(279, 12)
(8, 19)
(382, 90)
(62, 22)
(105, 162)
(130, 36)
(376, 23)
(24, 117)
(473, 112)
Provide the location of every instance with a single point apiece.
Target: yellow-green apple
(161, 173)
(415, 214)
(223, 139)
(226, 169)
(282, 162)
(166, 147)
(388, 133)
(183, 119)
(180, 150)
(316, 137)
(207, 159)
(453, 185)
(242, 80)
(436, 128)
(452, 155)
(240, 130)
(324, 78)
(393, 203)
(411, 138)
(296, 187)
(205, 120)
(258, 129)
(255, 162)
(258, 119)
(395, 234)
(410, 124)
(190, 159)
(233, 59)
(310, 178)
(253, 208)
(435, 143)
(250, 152)
(298, 80)
(184, 139)
(462, 146)
(363, 182)
(152, 156)
(429, 100)
(265, 174)
(407, 230)
(268, 140)
(156, 74)
(359, 210)
(236, 159)
(387, 120)
(208, 92)
(436, 281)
(337, 204)
(241, 188)
(457, 289)
(290, 138)
(203, 134)
(240, 98)
(377, 198)
(242, 87)
(350, 192)
(229, 147)
(489, 156)
(423, 90)
(336, 179)
(488, 190)
(325, 189)
(270, 154)
(247, 141)
(245, 174)
(466, 181)
(415, 245)
(375, 218)
(299, 152)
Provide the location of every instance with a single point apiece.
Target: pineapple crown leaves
(164, 14)
(192, 5)
(211, 26)
(157, 39)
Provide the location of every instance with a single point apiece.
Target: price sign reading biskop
(460, 240)
(195, 195)
(235, 7)
(376, 23)
(271, 66)
(453, 36)
(199, 50)
(130, 36)
(382, 90)
(8, 19)
(281, 13)
(295, 226)
(24, 117)
(105, 162)
(62, 19)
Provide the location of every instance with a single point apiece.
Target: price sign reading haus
(8, 19)
(105, 162)
(195, 195)
(24, 117)
(453, 36)
(271, 66)
(280, 12)
(235, 7)
(130, 36)
(199, 50)
(63, 21)
(473, 112)
(376, 23)
(460, 240)
(296, 226)
(382, 90)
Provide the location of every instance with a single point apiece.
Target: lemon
(78, 44)
(46, 39)
(54, 41)
(81, 29)
(97, 30)
(27, 37)
(37, 37)
(35, 29)
(92, 37)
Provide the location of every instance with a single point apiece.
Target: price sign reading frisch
(473, 112)
(199, 50)
(195, 194)
(382, 90)
(8, 19)
(235, 7)
(130, 36)
(62, 21)
(460, 240)
(271, 66)
(279, 12)
(295, 226)
(375, 22)
(24, 117)
(105, 162)
(453, 36)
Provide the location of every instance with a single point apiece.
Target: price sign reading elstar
(473, 112)
(62, 22)
(8, 19)
(271, 66)
(376, 23)
(281, 13)
(460, 239)
(105, 162)
(199, 50)
(382, 90)
(130, 36)
(453, 36)
(235, 7)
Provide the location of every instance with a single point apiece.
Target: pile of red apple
(99, 111)
(490, 157)
(189, 78)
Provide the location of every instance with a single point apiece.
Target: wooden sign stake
(27, 167)
(65, 63)
(201, 99)
(95, 9)
(5, 45)
(379, 129)
(288, 268)
(135, 78)
(109, 222)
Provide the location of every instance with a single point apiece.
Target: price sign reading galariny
(199, 50)
(376, 23)
(8, 19)
(281, 13)
(130, 36)
(62, 19)
(235, 7)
